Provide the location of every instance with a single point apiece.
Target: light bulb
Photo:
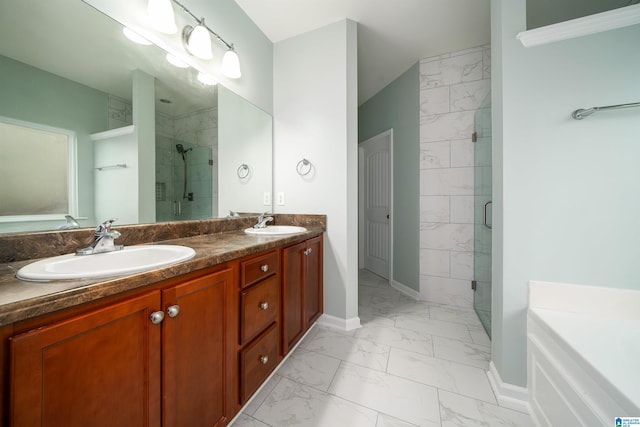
(198, 41)
(161, 14)
(177, 62)
(135, 37)
(207, 79)
(231, 64)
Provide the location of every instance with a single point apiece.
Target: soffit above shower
(392, 35)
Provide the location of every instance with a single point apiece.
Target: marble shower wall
(197, 131)
(452, 88)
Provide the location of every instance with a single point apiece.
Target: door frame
(361, 229)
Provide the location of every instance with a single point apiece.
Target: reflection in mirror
(44, 191)
(127, 106)
(541, 13)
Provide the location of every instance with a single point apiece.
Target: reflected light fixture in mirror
(176, 62)
(135, 37)
(197, 41)
(160, 13)
(206, 79)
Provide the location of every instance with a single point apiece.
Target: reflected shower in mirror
(80, 78)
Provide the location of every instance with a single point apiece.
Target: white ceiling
(392, 34)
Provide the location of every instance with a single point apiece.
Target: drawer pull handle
(264, 268)
(264, 359)
(157, 317)
(264, 305)
(173, 310)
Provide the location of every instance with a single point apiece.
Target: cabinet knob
(264, 305)
(157, 317)
(307, 251)
(173, 310)
(264, 267)
(264, 359)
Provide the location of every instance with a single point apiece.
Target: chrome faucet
(103, 238)
(263, 220)
(70, 223)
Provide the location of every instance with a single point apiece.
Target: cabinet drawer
(258, 308)
(258, 268)
(257, 361)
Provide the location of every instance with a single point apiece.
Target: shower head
(181, 149)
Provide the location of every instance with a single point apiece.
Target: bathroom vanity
(188, 344)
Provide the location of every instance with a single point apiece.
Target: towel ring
(303, 167)
(243, 171)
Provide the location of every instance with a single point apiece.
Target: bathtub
(583, 354)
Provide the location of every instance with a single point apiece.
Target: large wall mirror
(152, 143)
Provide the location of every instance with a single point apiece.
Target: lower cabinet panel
(97, 369)
(257, 361)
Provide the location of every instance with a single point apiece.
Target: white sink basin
(131, 259)
(275, 230)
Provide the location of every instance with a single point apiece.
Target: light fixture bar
(201, 22)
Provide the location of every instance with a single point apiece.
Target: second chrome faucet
(103, 238)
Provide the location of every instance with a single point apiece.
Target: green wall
(566, 192)
(30, 94)
(397, 107)
(33, 95)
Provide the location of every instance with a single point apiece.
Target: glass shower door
(482, 218)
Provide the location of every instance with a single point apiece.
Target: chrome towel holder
(243, 171)
(303, 167)
(581, 113)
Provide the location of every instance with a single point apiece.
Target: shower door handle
(486, 205)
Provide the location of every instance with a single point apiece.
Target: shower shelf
(118, 166)
(113, 133)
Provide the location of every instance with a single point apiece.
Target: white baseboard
(339, 323)
(508, 395)
(411, 293)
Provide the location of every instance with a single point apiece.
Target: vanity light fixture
(176, 62)
(207, 79)
(231, 64)
(161, 14)
(197, 41)
(135, 37)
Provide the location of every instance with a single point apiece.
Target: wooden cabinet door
(292, 296)
(97, 369)
(313, 296)
(193, 351)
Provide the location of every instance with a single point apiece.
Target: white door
(376, 179)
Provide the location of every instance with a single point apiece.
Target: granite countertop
(20, 300)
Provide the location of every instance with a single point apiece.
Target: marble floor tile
(479, 335)
(292, 404)
(461, 411)
(404, 399)
(413, 363)
(357, 351)
(433, 327)
(451, 376)
(367, 278)
(310, 368)
(463, 352)
(454, 314)
(397, 337)
(385, 420)
(244, 420)
(259, 397)
(368, 315)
